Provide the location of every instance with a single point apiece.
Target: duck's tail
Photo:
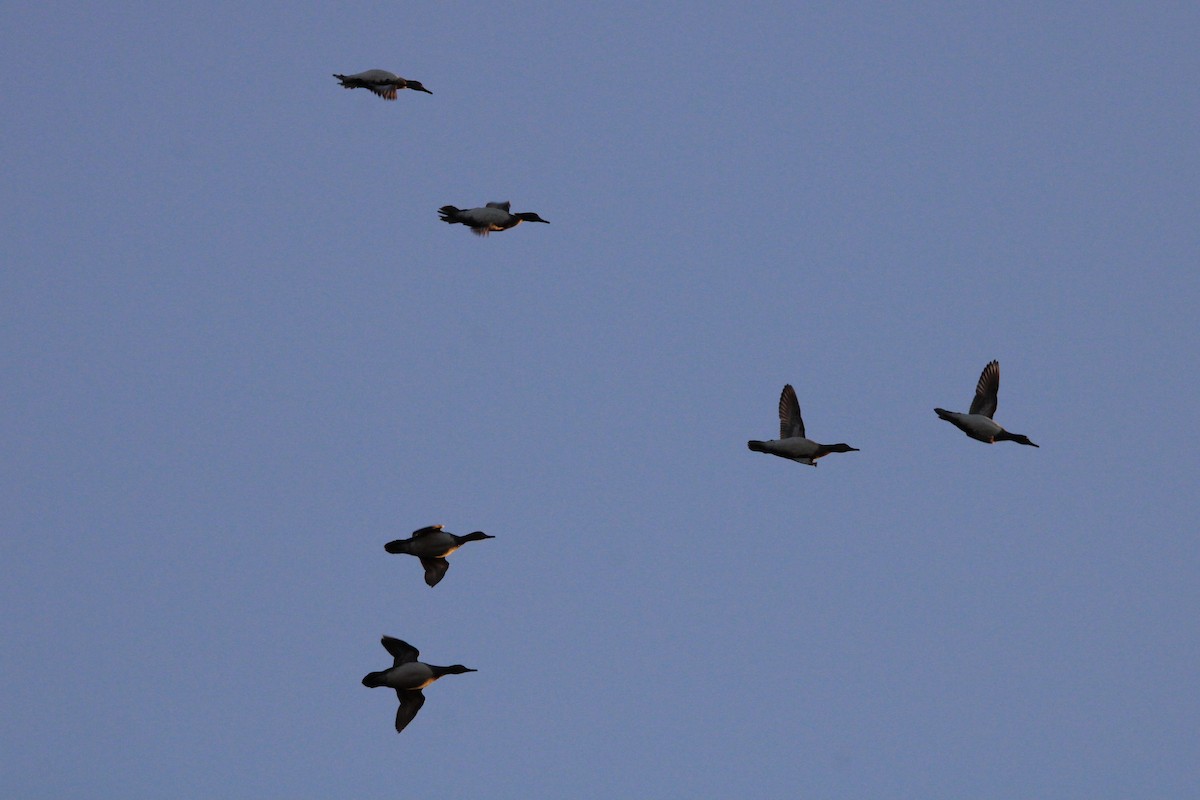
(449, 214)
(756, 446)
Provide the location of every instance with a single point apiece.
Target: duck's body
(978, 422)
(977, 426)
(492, 217)
(432, 544)
(408, 677)
(798, 449)
(792, 442)
(381, 82)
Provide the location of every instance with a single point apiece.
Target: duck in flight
(408, 677)
(432, 545)
(492, 217)
(977, 423)
(791, 442)
(381, 82)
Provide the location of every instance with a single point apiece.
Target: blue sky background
(240, 353)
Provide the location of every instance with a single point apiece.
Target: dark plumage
(381, 82)
(432, 545)
(792, 442)
(978, 423)
(491, 217)
(408, 677)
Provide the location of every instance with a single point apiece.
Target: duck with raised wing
(381, 82)
(408, 677)
(977, 423)
(492, 217)
(791, 442)
(432, 545)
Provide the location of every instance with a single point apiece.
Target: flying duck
(977, 423)
(492, 217)
(408, 677)
(791, 442)
(432, 545)
(381, 82)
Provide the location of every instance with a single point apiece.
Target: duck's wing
(401, 651)
(385, 90)
(378, 81)
(426, 531)
(411, 701)
(790, 422)
(435, 569)
(502, 206)
(987, 391)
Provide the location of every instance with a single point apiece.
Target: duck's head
(417, 86)
(476, 536)
(455, 669)
(1019, 438)
(842, 447)
(530, 216)
(373, 680)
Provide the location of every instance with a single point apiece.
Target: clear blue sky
(240, 353)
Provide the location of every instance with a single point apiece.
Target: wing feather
(401, 651)
(791, 424)
(386, 91)
(435, 569)
(411, 701)
(987, 391)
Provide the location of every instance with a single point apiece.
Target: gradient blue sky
(240, 353)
